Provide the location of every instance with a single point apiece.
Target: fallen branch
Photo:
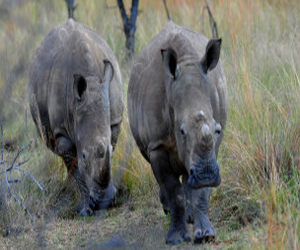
(30, 175)
(18, 154)
(16, 198)
(7, 170)
(11, 167)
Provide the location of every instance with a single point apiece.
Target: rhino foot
(163, 201)
(86, 212)
(208, 236)
(175, 237)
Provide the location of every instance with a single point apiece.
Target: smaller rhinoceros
(76, 101)
(177, 106)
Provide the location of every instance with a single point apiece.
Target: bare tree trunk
(71, 7)
(129, 25)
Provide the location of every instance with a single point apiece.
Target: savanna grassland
(257, 205)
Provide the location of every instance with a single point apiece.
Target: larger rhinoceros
(76, 101)
(177, 106)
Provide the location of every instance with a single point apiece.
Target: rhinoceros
(76, 101)
(177, 107)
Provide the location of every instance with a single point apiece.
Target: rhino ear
(108, 72)
(169, 57)
(212, 55)
(80, 86)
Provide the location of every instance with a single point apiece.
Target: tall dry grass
(260, 154)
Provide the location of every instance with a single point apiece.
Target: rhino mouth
(206, 173)
(103, 198)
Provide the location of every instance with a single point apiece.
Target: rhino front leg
(172, 191)
(188, 200)
(67, 151)
(203, 231)
(164, 202)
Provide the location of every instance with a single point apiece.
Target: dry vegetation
(256, 206)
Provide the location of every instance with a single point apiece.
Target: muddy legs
(183, 203)
(172, 194)
(198, 202)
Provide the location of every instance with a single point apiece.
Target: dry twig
(8, 183)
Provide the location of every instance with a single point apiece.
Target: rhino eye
(84, 157)
(183, 129)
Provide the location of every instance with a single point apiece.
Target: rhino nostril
(218, 128)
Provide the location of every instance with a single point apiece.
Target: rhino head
(191, 111)
(93, 136)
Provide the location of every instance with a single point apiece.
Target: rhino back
(148, 110)
(69, 49)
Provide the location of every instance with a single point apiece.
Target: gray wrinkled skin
(177, 106)
(76, 100)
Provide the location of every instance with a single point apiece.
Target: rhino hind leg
(172, 191)
(203, 230)
(66, 149)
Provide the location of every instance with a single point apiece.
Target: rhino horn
(101, 149)
(206, 135)
(105, 171)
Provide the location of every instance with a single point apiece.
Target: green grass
(257, 204)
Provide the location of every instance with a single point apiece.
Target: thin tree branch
(167, 10)
(25, 134)
(30, 175)
(14, 181)
(123, 14)
(2, 147)
(16, 197)
(18, 154)
(14, 166)
(212, 22)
